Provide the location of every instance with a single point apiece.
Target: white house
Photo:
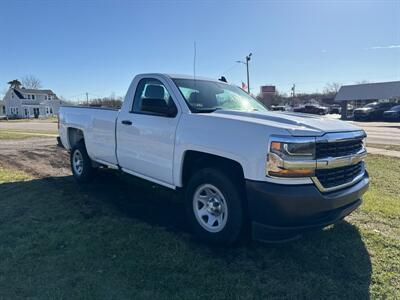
(2, 109)
(20, 102)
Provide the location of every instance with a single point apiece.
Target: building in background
(20, 102)
(358, 95)
(2, 109)
(267, 95)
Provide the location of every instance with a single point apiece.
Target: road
(386, 133)
(28, 125)
(381, 132)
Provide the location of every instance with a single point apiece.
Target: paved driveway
(381, 132)
(28, 125)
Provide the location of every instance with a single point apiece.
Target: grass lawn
(15, 134)
(121, 238)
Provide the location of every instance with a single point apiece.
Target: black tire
(87, 172)
(230, 233)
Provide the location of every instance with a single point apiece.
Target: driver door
(146, 133)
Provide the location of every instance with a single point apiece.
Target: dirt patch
(40, 157)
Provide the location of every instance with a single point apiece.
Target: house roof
(369, 91)
(35, 91)
(19, 92)
(19, 95)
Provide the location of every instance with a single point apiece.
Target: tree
(332, 88)
(362, 82)
(15, 84)
(31, 82)
(111, 101)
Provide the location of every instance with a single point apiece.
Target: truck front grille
(338, 176)
(337, 149)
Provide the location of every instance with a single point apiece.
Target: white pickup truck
(240, 166)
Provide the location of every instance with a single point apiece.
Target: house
(20, 102)
(2, 109)
(357, 95)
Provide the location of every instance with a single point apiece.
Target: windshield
(208, 96)
(396, 108)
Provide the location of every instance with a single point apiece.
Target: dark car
(372, 111)
(335, 109)
(278, 108)
(312, 109)
(393, 114)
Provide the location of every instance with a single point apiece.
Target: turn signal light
(292, 173)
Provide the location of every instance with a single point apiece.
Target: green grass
(10, 175)
(121, 238)
(384, 146)
(16, 134)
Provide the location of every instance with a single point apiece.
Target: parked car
(312, 109)
(278, 108)
(241, 167)
(393, 114)
(372, 111)
(335, 109)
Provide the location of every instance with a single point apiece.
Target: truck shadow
(335, 258)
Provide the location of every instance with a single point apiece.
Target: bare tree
(362, 82)
(111, 101)
(3, 93)
(31, 82)
(332, 88)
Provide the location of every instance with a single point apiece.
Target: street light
(247, 69)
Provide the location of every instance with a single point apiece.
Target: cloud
(386, 47)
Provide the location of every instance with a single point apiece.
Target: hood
(296, 124)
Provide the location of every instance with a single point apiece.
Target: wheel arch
(195, 160)
(74, 136)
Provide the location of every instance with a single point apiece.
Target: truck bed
(98, 125)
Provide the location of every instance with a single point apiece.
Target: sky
(75, 47)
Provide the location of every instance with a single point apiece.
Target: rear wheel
(214, 207)
(81, 164)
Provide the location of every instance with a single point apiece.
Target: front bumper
(391, 117)
(362, 116)
(277, 209)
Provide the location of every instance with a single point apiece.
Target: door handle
(126, 122)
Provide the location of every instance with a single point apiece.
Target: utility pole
(87, 99)
(247, 67)
(293, 93)
(247, 70)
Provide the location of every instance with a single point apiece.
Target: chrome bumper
(325, 163)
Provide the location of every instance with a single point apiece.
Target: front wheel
(81, 164)
(214, 207)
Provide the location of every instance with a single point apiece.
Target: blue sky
(98, 46)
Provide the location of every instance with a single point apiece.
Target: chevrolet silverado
(241, 167)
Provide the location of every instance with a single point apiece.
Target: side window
(152, 97)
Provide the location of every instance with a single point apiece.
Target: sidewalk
(392, 153)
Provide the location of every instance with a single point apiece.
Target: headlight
(291, 159)
(288, 150)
